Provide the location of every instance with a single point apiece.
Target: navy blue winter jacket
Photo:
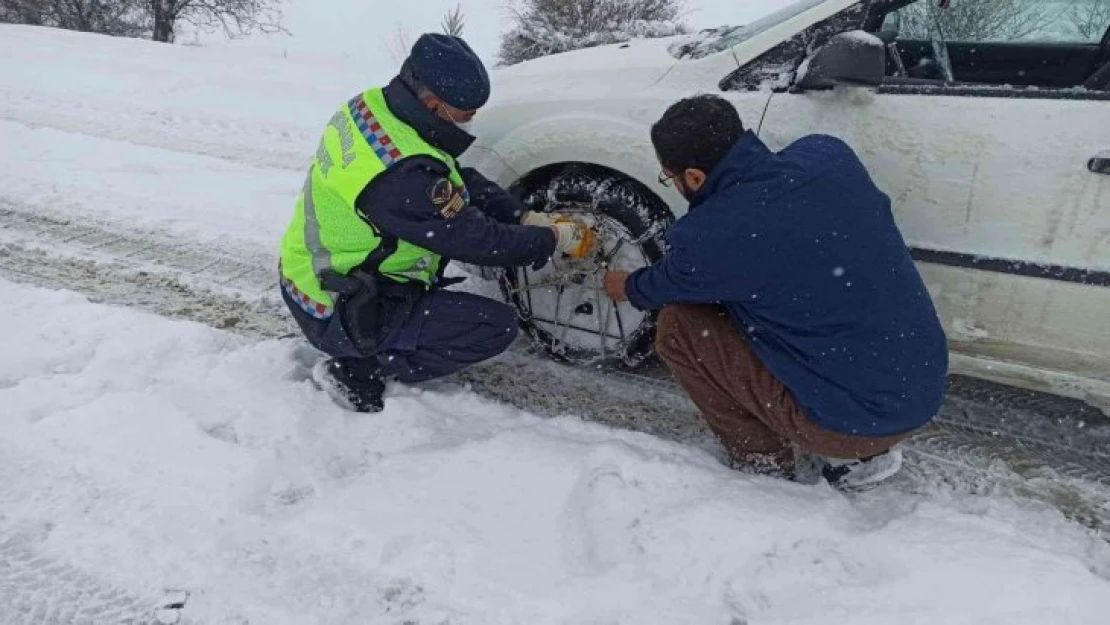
(802, 249)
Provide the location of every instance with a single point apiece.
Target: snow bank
(209, 199)
(156, 453)
(538, 40)
(66, 73)
(212, 143)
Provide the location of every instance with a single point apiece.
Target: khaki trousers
(752, 413)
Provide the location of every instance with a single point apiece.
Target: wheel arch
(603, 144)
(544, 175)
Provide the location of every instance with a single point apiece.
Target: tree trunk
(164, 17)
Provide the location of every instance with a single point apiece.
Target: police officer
(384, 207)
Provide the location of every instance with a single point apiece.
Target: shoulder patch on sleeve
(446, 197)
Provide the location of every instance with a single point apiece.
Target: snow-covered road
(144, 459)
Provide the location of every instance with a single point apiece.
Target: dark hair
(696, 133)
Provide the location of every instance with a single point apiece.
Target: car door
(987, 164)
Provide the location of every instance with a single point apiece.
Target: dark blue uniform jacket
(399, 202)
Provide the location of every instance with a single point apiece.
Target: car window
(1002, 44)
(1002, 21)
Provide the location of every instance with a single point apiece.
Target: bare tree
(453, 22)
(234, 17)
(399, 44)
(977, 20)
(543, 27)
(109, 17)
(22, 11)
(1090, 18)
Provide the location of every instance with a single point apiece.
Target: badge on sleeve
(446, 198)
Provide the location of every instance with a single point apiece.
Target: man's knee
(495, 326)
(502, 328)
(675, 326)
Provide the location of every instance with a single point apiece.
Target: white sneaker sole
(866, 481)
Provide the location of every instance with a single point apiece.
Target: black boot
(354, 383)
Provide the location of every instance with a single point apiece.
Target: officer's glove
(536, 218)
(575, 239)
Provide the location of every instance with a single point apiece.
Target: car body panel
(991, 176)
(1046, 335)
(562, 76)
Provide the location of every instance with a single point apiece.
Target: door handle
(1100, 164)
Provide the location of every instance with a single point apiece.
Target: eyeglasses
(665, 180)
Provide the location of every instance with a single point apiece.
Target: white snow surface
(862, 37)
(163, 453)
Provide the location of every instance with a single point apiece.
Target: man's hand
(616, 285)
(575, 239)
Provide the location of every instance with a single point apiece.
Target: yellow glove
(535, 218)
(575, 239)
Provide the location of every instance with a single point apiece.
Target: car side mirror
(855, 58)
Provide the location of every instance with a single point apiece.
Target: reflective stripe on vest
(373, 132)
(315, 309)
(321, 256)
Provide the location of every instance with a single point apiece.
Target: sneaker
(855, 475)
(356, 385)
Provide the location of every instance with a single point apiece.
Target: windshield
(720, 39)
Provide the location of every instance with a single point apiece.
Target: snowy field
(141, 455)
(165, 454)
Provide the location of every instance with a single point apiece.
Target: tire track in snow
(35, 590)
(149, 270)
(38, 590)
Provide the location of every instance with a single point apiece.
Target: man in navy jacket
(792, 312)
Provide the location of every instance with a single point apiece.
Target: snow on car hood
(605, 69)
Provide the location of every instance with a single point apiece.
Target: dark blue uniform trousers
(445, 332)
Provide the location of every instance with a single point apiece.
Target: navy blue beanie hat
(451, 70)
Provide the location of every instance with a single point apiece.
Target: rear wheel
(563, 306)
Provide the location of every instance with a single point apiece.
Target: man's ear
(693, 179)
(431, 103)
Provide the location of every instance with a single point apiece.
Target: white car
(995, 152)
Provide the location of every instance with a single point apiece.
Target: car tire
(623, 208)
